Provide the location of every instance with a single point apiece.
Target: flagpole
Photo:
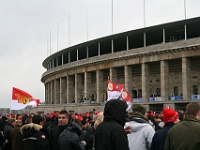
(185, 9)
(57, 36)
(69, 29)
(47, 45)
(185, 19)
(11, 103)
(50, 41)
(144, 13)
(87, 22)
(112, 16)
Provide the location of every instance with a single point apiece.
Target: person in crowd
(170, 118)
(6, 132)
(181, 115)
(90, 141)
(186, 134)
(89, 138)
(3, 121)
(85, 127)
(56, 129)
(142, 132)
(157, 121)
(15, 135)
(32, 136)
(69, 138)
(110, 134)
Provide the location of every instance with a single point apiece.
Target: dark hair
(192, 109)
(64, 112)
(37, 119)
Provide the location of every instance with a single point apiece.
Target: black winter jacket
(110, 134)
(33, 138)
(69, 138)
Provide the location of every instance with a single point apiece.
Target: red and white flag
(21, 99)
(114, 87)
(117, 91)
(126, 97)
(114, 90)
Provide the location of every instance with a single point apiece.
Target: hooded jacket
(110, 134)
(141, 134)
(33, 138)
(69, 138)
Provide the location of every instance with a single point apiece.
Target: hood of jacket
(115, 110)
(28, 130)
(73, 127)
(137, 124)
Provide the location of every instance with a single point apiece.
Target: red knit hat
(169, 115)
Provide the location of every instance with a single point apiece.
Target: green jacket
(184, 136)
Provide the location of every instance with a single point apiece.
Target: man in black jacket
(56, 128)
(110, 134)
(69, 138)
(32, 136)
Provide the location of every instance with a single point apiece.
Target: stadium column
(128, 79)
(186, 78)
(63, 90)
(145, 83)
(164, 76)
(46, 92)
(51, 92)
(87, 82)
(78, 88)
(113, 74)
(57, 91)
(70, 89)
(99, 77)
(47, 100)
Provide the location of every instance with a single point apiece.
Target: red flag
(126, 96)
(21, 96)
(21, 99)
(114, 87)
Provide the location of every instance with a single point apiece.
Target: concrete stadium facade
(159, 65)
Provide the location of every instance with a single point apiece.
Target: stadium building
(159, 65)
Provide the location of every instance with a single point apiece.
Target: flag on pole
(126, 97)
(114, 90)
(117, 91)
(21, 99)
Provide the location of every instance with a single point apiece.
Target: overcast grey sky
(26, 24)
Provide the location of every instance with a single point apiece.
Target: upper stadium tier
(159, 66)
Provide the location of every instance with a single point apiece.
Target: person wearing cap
(141, 130)
(170, 118)
(110, 134)
(186, 134)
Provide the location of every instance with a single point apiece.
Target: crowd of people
(112, 129)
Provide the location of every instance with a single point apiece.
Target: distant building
(159, 65)
(4, 111)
